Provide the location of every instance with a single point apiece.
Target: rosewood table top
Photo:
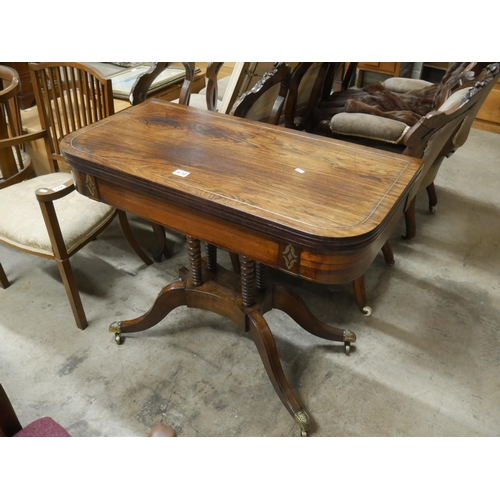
(320, 195)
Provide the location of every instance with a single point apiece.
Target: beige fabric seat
(379, 128)
(24, 227)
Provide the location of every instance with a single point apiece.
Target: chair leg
(235, 261)
(162, 249)
(360, 295)
(388, 255)
(431, 193)
(411, 221)
(4, 282)
(75, 301)
(9, 423)
(127, 233)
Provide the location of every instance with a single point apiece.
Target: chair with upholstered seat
(433, 137)
(44, 215)
(207, 98)
(10, 426)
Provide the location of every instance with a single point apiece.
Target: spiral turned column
(194, 252)
(261, 275)
(247, 281)
(211, 251)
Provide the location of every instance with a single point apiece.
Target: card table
(312, 207)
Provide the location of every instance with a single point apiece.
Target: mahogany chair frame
(279, 75)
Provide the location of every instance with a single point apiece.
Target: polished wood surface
(334, 202)
(312, 207)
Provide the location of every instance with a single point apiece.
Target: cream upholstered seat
(380, 128)
(24, 227)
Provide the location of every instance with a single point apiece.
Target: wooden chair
(436, 136)
(206, 99)
(10, 426)
(266, 99)
(44, 215)
(312, 83)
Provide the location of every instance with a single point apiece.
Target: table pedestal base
(225, 293)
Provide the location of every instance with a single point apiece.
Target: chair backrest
(68, 96)
(265, 100)
(15, 163)
(306, 85)
(461, 106)
(439, 133)
(141, 87)
(11, 156)
(212, 92)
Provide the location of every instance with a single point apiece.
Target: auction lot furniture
(312, 207)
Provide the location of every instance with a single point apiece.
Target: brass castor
(116, 329)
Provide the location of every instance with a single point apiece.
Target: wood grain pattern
(329, 199)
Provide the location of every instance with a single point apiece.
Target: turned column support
(194, 252)
(247, 281)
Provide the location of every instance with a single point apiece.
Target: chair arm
(32, 136)
(402, 85)
(371, 127)
(50, 194)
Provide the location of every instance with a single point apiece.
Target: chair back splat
(265, 101)
(15, 163)
(69, 96)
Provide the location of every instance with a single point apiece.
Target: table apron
(328, 266)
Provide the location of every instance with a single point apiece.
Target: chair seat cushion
(22, 224)
(369, 127)
(43, 427)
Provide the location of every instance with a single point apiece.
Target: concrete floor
(426, 362)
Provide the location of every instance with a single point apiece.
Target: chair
(44, 215)
(265, 100)
(432, 137)
(11, 427)
(312, 83)
(207, 98)
(48, 427)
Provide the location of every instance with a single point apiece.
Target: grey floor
(426, 362)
